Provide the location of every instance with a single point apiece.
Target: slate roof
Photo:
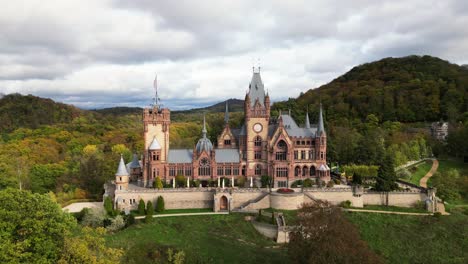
(256, 89)
(135, 163)
(154, 144)
(180, 156)
(121, 170)
(294, 130)
(227, 155)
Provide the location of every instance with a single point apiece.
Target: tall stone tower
(257, 117)
(156, 122)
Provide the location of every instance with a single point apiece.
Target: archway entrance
(223, 203)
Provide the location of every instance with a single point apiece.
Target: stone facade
(264, 145)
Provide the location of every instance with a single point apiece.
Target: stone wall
(403, 199)
(290, 201)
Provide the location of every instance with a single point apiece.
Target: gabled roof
(323, 167)
(227, 155)
(180, 156)
(154, 144)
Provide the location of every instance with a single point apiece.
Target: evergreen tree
(149, 212)
(108, 206)
(141, 207)
(160, 204)
(158, 183)
(357, 179)
(386, 176)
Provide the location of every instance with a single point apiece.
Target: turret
(204, 143)
(121, 176)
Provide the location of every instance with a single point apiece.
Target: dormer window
(227, 142)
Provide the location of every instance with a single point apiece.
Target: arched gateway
(223, 203)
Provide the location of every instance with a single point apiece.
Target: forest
(52, 147)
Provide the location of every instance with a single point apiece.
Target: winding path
(435, 166)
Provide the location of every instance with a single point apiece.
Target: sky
(105, 53)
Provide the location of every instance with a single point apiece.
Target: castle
(280, 148)
(276, 147)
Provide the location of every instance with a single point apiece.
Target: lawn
(418, 171)
(415, 239)
(393, 208)
(204, 239)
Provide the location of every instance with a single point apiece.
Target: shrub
(180, 181)
(336, 181)
(160, 204)
(265, 181)
(94, 218)
(80, 215)
(285, 190)
(141, 207)
(108, 206)
(345, 204)
(404, 174)
(330, 184)
(129, 220)
(241, 181)
(307, 183)
(149, 212)
(296, 183)
(157, 184)
(116, 224)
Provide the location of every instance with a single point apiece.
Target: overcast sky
(96, 54)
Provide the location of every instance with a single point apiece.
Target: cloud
(105, 53)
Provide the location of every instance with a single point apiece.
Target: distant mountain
(234, 105)
(407, 89)
(465, 66)
(30, 111)
(119, 110)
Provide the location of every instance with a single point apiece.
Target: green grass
(444, 166)
(204, 239)
(415, 239)
(178, 211)
(392, 208)
(418, 171)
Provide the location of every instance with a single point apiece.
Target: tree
(141, 207)
(323, 235)
(44, 176)
(158, 183)
(265, 180)
(386, 175)
(449, 184)
(89, 247)
(32, 227)
(108, 206)
(160, 204)
(149, 212)
(180, 181)
(357, 179)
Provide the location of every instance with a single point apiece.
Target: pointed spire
(135, 162)
(122, 170)
(204, 127)
(226, 114)
(307, 121)
(321, 128)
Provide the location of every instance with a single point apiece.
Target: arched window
(205, 168)
(312, 171)
(297, 171)
(258, 141)
(305, 171)
(281, 150)
(258, 170)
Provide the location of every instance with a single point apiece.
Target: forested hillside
(30, 111)
(407, 89)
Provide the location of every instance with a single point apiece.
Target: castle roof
(204, 143)
(135, 163)
(121, 170)
(321, 128)
(180, 156)
(256, 89)
(323, 167)
(227, 155)
(294, 130)
(154, 144)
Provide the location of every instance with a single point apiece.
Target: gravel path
(423, 181)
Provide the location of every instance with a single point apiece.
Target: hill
(235, 105)
(407, 89)
(119, 110)
(31, 111)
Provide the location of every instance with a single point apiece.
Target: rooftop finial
(156, 97)
(226, 114)
(204, 127)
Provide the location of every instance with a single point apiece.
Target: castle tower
(135, 168)
(156, 122)
(122, 176)
(257, 116)
(321, 139)
(226, 139)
